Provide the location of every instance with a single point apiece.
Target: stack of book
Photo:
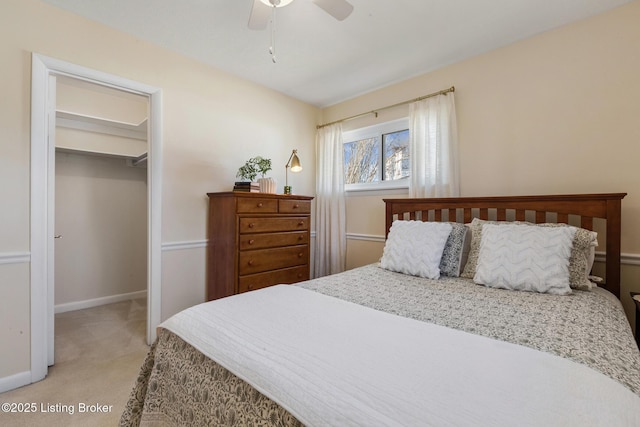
(250, 187)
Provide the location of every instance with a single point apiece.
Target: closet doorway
(44, 118)
(101, 146)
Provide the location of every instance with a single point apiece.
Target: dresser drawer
(272, 240)
(250, 262)
(295, 206)
(268, 224)
(262, 280)
(256, 240)
(256, 205)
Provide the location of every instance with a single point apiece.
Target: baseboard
(14, 381)
(80, 305)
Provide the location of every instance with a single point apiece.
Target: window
(377, 156)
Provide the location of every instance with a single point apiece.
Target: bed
(378, 345)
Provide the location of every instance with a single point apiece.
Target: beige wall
(557, 113)
(89, 99)
(212, 122)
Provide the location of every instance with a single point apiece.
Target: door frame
(42, 200)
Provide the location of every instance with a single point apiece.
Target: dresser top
(259, 195)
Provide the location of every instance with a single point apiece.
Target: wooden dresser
(256, 240)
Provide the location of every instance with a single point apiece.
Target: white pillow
(415, 248)
(580, 263)
(526, 258)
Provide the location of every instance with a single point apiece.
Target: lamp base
(287, 189)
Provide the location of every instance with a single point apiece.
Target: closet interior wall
(100, 195)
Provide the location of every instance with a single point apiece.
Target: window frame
(378, 131)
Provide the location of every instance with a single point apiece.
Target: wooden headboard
(575, 209)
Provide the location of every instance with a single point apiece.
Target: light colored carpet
(98, 353)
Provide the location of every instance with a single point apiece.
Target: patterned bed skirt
(179, 386)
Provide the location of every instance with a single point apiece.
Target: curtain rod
(431, 95)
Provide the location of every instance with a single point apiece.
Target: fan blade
(260, 15)
(339, 9)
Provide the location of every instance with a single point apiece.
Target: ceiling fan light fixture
(276, 3)
(261, 16)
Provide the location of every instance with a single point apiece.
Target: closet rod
(442, 92)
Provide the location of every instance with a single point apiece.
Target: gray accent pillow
(456, 250)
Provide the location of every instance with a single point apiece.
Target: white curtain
(434, 148)
(331, 240)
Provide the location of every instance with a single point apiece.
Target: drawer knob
(250, 287)
(300, 255)
(300, 238)
(259, 205)
(296, 206)
(299, 275)
(250, 262)
(251, 225)
(251, 241)
(301, 223)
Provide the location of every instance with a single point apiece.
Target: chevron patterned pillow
(580, 263)
(525, 258)
(415, 248)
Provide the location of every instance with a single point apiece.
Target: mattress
(179, 385)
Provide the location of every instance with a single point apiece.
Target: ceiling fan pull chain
(272, 48)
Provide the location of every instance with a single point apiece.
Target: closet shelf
(134, 161)
(99, 125)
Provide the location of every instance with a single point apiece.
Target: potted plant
(254, 166)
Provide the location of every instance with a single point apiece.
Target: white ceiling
(323, 61)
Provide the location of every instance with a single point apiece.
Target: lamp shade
(295, 163)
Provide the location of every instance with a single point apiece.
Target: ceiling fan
(261, 11)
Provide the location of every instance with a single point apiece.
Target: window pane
(361, 161)
(396, 155)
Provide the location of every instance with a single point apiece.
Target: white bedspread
(332, 362)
